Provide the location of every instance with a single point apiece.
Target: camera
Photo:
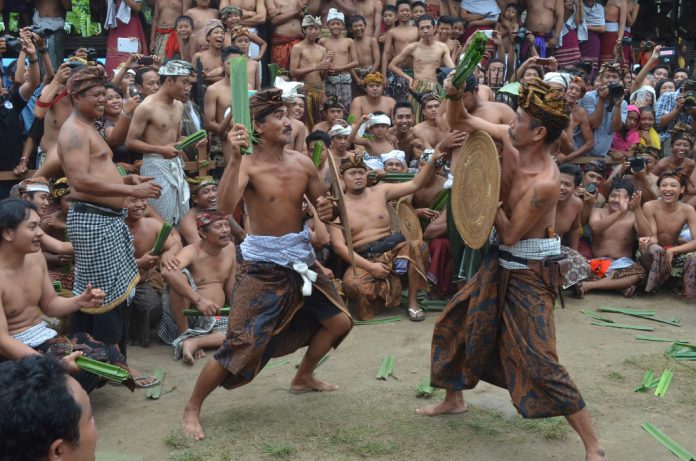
(690, 100)
(520, 36)
(637, 163)
(616, 91)
(591, 188)
(146, 60)
(41, 31)
(626, 41)
(12, 43)
(646, 45)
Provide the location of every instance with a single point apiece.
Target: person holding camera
(12, 101)
(638, 170)
(606, 108)
(676, 107)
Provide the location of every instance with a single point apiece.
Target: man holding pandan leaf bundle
(26, 292)
(500, 327)
(280, 303)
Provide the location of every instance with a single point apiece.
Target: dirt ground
(369, 418)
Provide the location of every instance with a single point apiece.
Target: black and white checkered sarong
(104, 252)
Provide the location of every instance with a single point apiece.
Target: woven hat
(410, 224)
(476, 189)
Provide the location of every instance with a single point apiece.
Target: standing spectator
(594, 19)
(122, 22)
(50, 15)
(574, 28)
(614, 23)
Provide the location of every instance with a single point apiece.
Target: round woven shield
(408, 219)
(476, 189)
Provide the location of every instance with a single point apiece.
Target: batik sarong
(398, 87)
(607, 49)
(683, 267)
(569, 53)
(340, 86)
(368, 295)
(314, 98)
(104, 252)
(168, 331)
(280, 50)
(45, 340)
(173, 202)
(166, 43)
(578, 268)
(500, 329)
(270, 317)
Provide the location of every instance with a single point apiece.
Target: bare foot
(310, 384)
(191, 424)
(188, 352)
(446, 407)
(596, 455)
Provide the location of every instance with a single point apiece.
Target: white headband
(334, 14)
(373, 163)
(290, 89)
(37, 188)
(395, 154)
(381, 119)
(339, 130)
(557, 77)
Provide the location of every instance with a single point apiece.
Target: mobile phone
(543, 61)
(132, 90)
(146, 60)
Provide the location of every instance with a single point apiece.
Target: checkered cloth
(104, 253)
(285, 250)
(168, 331)
(173, 202)
(534, 249)
(36, 335)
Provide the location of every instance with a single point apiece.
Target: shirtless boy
(367, 50)
(210, 58)
(682, 139)
(345, 59)
(395, 40)
(374, 100)
(155, 131)
(430, 130)
(332, 110)
(377, 125)
(218, 95)
(184, 31)
(164, 27)
(286, 18)
(201, 13)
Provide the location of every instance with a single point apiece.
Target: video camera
(690, 100)
(616, 91)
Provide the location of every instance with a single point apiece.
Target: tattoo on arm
(536, 201)
(74, 142)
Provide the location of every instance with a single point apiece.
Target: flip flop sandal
(145, 377)
(415, 315)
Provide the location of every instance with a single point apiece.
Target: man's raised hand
(238, 138)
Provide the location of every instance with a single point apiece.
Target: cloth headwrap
(265, 102)
(209, 216)
(644, 149)
(228, 10)
(596, 165)
(610, 66)
(688, 85)
(682, 131)
(557, 77)
(239, 31)
(38, 184)
(394, 154)
(381, 119)
(213, 24)
(427, 97)
(310, 20)
(84, 78)
(176, 67)
(61, 187)
(332, 102)
(374, 77)
(334, 14)
(354, 160)
(198, 183)
(339, 130)
(545, 104)
(641, 95)
(290, 89)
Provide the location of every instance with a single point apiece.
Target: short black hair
(425, 17)
(355, 18)
(660, 66)
(38, 408)
(677, 174)
(552, 132)
(680, 69)
(402, 2)
(402, 105)
(446, 19)
(417, 3)
(228, 50)
(142, 71)
(620, 183)
(572, 170)
(512, 5)
(319, 135)
(188, 19)
(13, 212)
(111, 86)
(391, 8)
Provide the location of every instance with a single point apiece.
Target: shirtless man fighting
(155, 131)
(272, 286)
(523, 360)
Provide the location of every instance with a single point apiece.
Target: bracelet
(34, 61)
(124, 115)
(42, 51)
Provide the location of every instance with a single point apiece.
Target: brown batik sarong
(683, 267)
(269, 318)
(578, 268)
(368, 295)
(500, 329)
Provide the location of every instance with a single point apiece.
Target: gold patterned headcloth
(198, 183)
(374, 77)
(611, 67)
(682, 131)
(356, 160)
(239, 31)
(61, 187)
(546, 104)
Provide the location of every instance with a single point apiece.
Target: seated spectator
(628, 136)
(26, 292)
(660, 252)
(51, 416)
(203, 279)
(683, 140)
(615, 229)
(648, 134)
